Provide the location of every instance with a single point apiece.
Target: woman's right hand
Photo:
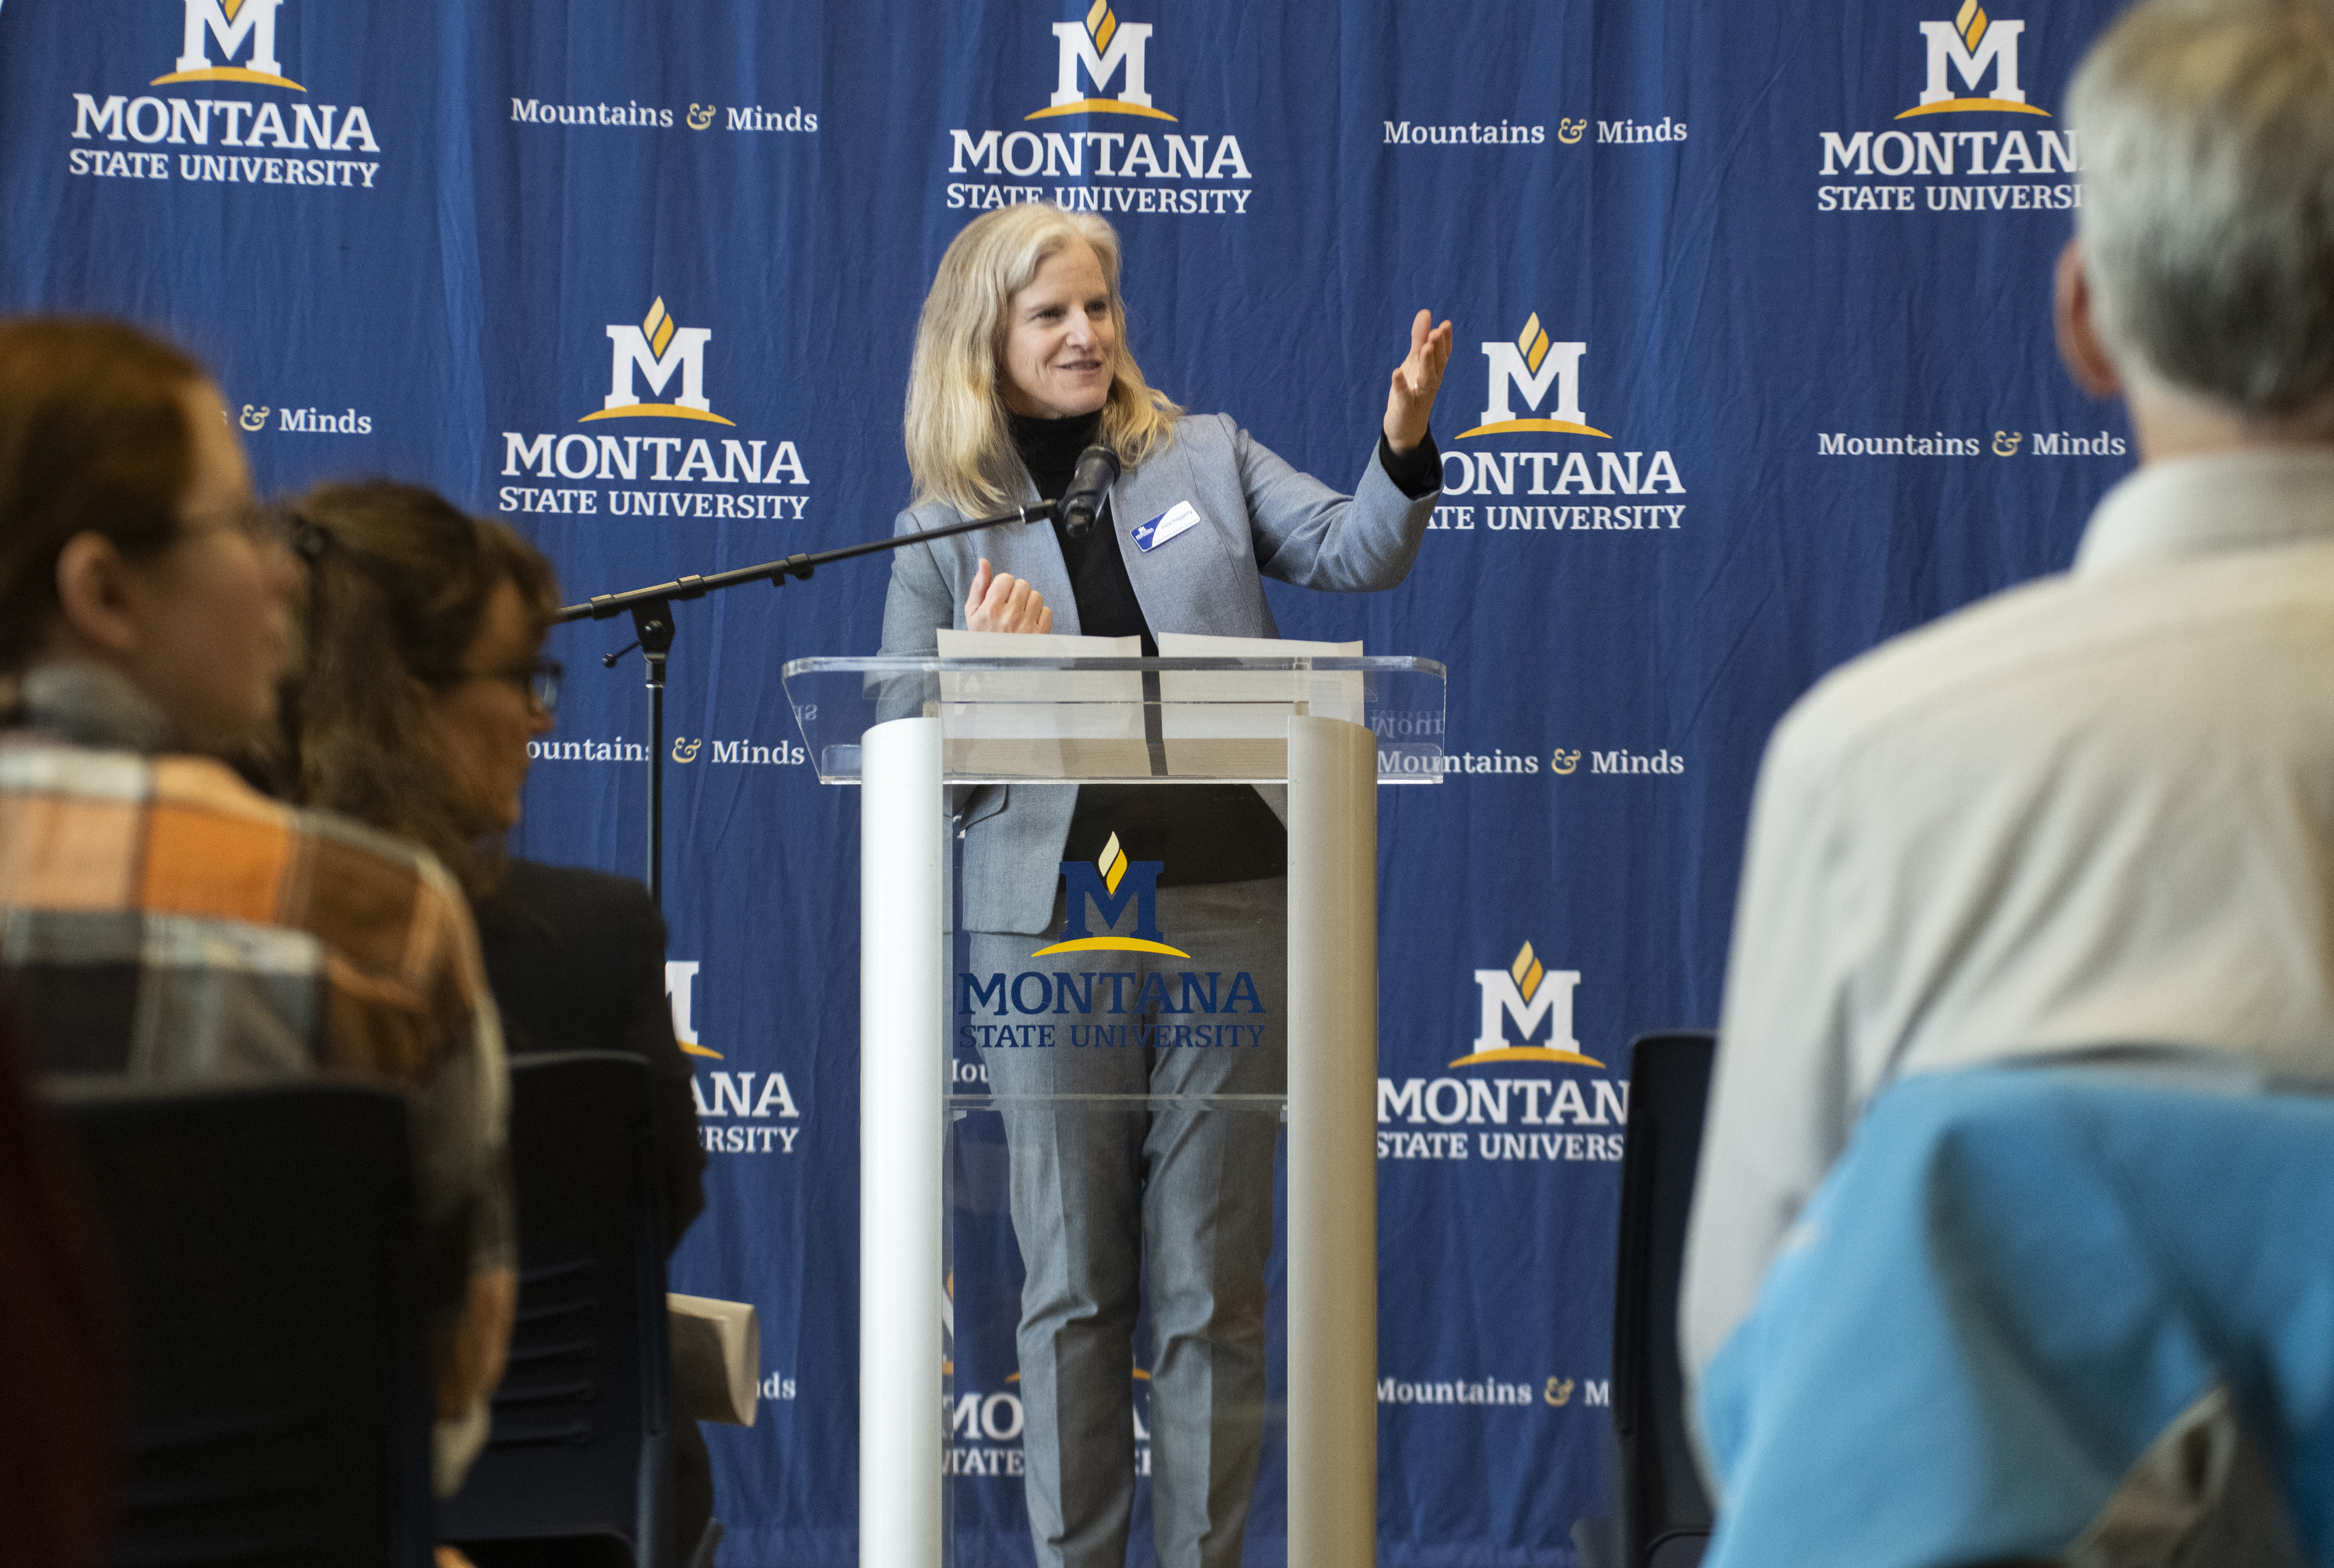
(1001, 603)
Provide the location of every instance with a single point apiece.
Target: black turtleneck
(1099, 585)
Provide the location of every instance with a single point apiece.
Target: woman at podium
(1021, 362)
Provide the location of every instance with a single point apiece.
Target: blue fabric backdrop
(1753, 369)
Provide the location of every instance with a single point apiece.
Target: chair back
(577, 1446)
(2045, 1311)
(269, 1265)
(1662, 1515)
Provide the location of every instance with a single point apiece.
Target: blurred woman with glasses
(422, 683)
(401, 581)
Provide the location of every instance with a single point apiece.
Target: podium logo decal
(1100, 47)
(1533, 365)
(1099, 885)
(656, 349)
(1970, 44)
(233, 22)
(1209, 1001)
(1537, 999)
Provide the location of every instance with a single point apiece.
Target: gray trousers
(1103, 1193)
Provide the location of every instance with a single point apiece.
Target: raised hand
(1416, 379)
(1001, 603)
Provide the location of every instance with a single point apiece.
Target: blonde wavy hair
(960, 448)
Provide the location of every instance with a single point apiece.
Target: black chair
(578, 1449)
(269, 1264)
(1662, 1516)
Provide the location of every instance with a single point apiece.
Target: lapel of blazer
(1029, 551)
(1172, 582)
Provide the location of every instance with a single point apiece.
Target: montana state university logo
(1499, 1115)
(232, 24)
(1064, 150)
(1097, 886)
(658, 356)
(1147, 1007)
(1532, 388)
(1097, 49)
(1970, 66)
(1533, 365)
(657, 349)
(1537, 999)
(1971, 44)
(210, 135)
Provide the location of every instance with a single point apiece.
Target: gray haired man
(2097, 809)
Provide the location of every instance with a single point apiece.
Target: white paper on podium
(1234, 723)
(1044, 723)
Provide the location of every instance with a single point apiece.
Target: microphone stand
(653, 628)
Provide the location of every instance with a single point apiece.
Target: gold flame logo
(1527, 969)
(1102, 22)
(1112, 863)
(1533, 342)
(1971, 22)
(658, 327)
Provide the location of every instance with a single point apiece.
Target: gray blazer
(1258, 517)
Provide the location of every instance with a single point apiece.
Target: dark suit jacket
(576, 959)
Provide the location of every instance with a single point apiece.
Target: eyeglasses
(539, 680)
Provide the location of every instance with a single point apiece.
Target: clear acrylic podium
(1005, 1077)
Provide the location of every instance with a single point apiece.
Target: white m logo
(1550, 1004)
(676, 348)
(231, 22)
(1559, 366)
(1124, 50)
(1995, 45)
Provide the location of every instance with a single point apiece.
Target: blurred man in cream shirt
(2097, 810)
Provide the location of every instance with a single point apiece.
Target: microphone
(1090, 483)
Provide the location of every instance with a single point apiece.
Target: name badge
(1150, 536)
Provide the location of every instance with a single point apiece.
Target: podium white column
(1333, 1193)
(903, 991)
